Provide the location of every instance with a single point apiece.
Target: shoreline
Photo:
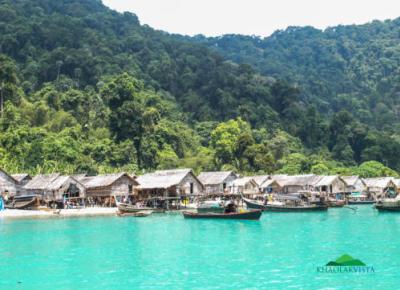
(83, 212)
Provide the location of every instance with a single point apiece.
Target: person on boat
(231, 208)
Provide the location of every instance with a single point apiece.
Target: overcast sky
(259, 17)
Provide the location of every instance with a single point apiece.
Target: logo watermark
(346, 264)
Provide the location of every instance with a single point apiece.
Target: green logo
(346, 260)
(346, 264)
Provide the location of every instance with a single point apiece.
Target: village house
(260, 179)
(105, 186)
(270, 186)
(217, 182)
(380, 187)
(244, 185)
(22, 178)
(354, 184)
(9, 186)
(169, 183)
(331, 184)
(295, 183)
(55, 187)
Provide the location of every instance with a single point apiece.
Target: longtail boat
(124, 208)
(246, 215)
(297, 208)
(129, 208)
(360, 202)
(388, 204)
(135, 214)
(23, 202)
(336, 203)
(253, 204)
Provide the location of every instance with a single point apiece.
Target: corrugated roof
(20, 177)
(214, 177)
(102, 180)
(163, 178)
(41, 182)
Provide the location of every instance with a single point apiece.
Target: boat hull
(210, 210)
(135, 214)
(248, 215)
(337, 203)
(361, 202)
(276, 208)
(253, 204)
(23, 202)
(387, 208)
(128, 208)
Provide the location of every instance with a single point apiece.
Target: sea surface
(165, 251)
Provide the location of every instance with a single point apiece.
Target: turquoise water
(165, 251)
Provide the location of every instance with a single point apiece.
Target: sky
(253, 17)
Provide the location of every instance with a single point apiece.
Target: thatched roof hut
(330, 184)
(217, 182)
(22, 178)
(244, 185)
(55, 187)
(169, 183)
(9, 185)
(107, 185)
(379, 187)
(296, 183)
(354, 184)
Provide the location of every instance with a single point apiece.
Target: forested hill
(356, 67)
(88, 89)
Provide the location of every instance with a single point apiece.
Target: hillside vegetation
(87, 89)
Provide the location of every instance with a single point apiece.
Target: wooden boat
(283, 207)
(136, 214)
(246, 215)
(23, 202)
(336, 203)
(297, 208)
(129, 208)
(253, 204)
(360, 202)
(388, 204)
(381, 207)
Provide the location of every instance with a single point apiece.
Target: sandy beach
(90, 211)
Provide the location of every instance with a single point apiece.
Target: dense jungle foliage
(87, 89)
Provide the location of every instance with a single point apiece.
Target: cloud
(258, 17)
